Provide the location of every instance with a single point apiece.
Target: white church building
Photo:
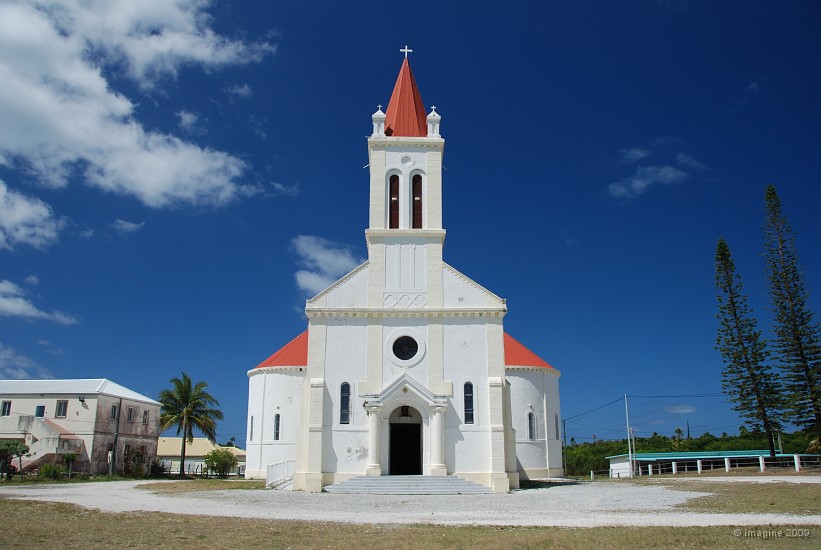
(405, 367)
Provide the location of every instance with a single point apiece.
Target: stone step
(407, 485)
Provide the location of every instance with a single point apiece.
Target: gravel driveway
(562, 504)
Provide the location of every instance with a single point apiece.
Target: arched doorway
(405, 441)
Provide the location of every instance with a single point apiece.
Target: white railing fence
(279, 473)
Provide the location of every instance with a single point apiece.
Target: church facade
(405, 367)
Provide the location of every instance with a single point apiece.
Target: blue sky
(176, 178)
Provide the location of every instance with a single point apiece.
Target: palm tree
(189, 406)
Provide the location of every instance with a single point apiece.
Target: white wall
(272, 391)
(536, 390)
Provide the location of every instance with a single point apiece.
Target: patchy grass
(751, 498)
(196, 484)
(29, 479)
(30, 524)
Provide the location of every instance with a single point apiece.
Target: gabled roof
(89, 386)
(295, 354)
(406, 113)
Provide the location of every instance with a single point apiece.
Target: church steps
(407, 485)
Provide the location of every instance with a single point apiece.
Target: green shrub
(220, 461)
(51, 471)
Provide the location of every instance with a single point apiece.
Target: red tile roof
(406, 113)
(516, 355)
(295, 354)
(292, 354)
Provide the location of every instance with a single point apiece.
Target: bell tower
(405, 234)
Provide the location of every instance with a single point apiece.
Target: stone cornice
(382, 312)
(274, 370)
(551, 371)
(402, 141)
(373, 235)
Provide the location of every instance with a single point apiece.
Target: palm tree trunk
(182, 456)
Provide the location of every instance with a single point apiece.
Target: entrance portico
(405, 430)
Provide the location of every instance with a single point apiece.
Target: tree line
(770, 383)
(584, 457)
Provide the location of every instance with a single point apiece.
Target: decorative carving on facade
(405, 299)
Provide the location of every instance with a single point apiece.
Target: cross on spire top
(406, 51)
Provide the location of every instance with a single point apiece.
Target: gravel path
(562, 504)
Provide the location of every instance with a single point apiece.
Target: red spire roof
(406, 113)
(295, 354)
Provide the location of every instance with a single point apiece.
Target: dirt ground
(604, 503)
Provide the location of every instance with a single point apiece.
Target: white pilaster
(374, 467)
(437, 442)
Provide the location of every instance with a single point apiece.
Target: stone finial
(433, 122)
(378, 122)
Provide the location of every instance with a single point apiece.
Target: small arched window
(345, 403)
(468, 403)
(531, 425)
(417, 202)
(276, 427)
(251, 430)
(393, 207)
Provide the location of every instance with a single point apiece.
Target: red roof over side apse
(292, 354)
(295, 354)
(516, 355)
(406, 113)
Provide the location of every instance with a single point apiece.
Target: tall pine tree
(797, 337)
(750, 384)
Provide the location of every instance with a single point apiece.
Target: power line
(681, 395)
(597, 408)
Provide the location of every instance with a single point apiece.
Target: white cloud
(32, 280)
(18, 367)
(188, 122)
(287, 190)
(25, 220)
(126, 228)
(680, 409)
(62, 118)
(14, 304)
(323, 261)
(643, 178)
(689, 162)
(634, 154)
(747, 95)
(242, 91)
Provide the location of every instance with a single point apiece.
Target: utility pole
(564, 448)
(629, 450)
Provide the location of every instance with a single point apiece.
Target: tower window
(531, 425)
(345, 404)
(417, 202)
(276, 427)
(468, 403)
(393, 221)
(251, 430)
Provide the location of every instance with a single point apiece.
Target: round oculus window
(405, 348)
